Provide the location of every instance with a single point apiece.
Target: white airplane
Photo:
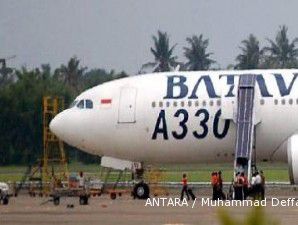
(183, 117)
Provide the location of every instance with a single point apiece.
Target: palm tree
(163, 54)
(282, 52)
(72, 73)
(250, 55)
(6, 73)
(197, 55)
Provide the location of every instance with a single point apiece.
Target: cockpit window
(83, 104)
(73, 104)
(80, 105)
(89, 104)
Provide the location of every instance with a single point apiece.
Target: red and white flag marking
(106, 101)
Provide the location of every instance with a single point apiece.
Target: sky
(117, 34)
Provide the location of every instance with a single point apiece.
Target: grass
(198, 172)
(273, 172)
(257, 215)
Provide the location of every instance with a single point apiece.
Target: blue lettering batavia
(209, 86)
(178, 82)
(283, 90)
(263, 87)
(231, 83)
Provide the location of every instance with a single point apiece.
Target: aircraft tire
(113, 196)
(83, 200)
(141, 190)
(5, 201)
(56, 200)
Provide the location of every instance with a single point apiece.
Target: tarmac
(124, 210)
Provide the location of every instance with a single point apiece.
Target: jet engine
(292, 150)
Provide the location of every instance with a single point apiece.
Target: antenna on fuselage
(177, 68)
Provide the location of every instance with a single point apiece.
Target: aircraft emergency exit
(187, 117)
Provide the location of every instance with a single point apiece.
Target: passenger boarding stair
(245, 125)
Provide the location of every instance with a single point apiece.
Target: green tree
(164, 59)
(21, 108)
(95, 77)
(250, 55)
(72, 74)
(281, 53)
(197, 56)
(21, 113)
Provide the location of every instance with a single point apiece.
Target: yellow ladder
(54, 168)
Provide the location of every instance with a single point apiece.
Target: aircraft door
(229, 104)
(127, 105)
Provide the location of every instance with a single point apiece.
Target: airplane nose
(66, 126)
(56, 125)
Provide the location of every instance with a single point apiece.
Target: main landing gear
(140, 190)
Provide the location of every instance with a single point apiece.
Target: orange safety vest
(240, 180)
(214, 180)
(245, 181)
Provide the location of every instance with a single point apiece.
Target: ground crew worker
(245, 185)
(221, 194)
(238, 187)
(214, 183)
(253, 185)
(81, 179)
(184, 187)
(262, 185)
(258, 186)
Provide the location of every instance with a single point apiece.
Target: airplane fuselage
(181, 117)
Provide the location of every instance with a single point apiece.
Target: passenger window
(161, 104)
(204, 103)
(283, 102)
(153, 104)
(218, 102)
(175, 104)
(189, 103)
(80, 105)
(168, 104)
(275, 101)
(291, 101)
(197, 103)
(182, 104)
(262, 101)
(211, 103)
(89, 104)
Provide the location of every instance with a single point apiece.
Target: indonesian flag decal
(106, 101)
